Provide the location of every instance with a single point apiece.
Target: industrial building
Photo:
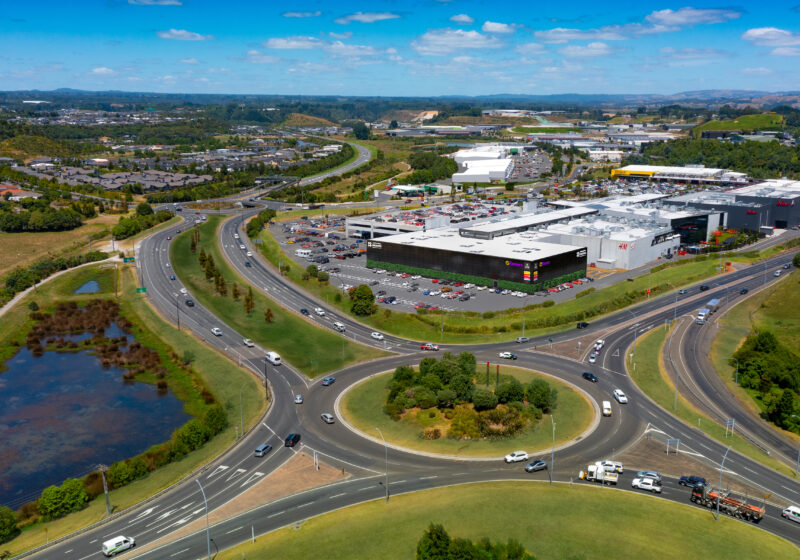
(517, 262)
(528, 222)
(484, 164)
(694, 175)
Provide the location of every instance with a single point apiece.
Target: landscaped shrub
(57, 501)
(8, 524)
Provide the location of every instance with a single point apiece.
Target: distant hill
(31, 147)
(764, 121)
(298, 119)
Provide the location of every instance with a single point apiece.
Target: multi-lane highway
(363, 457)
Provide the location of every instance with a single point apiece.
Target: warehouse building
(528, 222)
(489, 163)
(516, 262)
(694, 175)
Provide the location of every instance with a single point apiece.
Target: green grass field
(563, 522)
(763, 121)
(363, 407)
(308, 348)
(647, 370)
(222, 376)
(544, 129)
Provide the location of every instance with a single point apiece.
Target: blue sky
(425, 47)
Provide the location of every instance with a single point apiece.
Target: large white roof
(531, 220)
(773, 188)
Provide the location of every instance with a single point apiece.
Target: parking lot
(529, 166)
(323, 240)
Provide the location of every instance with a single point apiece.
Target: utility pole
(266, 385)
(552, 452)
(719, 490)
(208, 533)
(386, 451)
(178, 312)
(103, 469)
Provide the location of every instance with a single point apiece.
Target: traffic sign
(128, 259)
(550, 340)
(141, 290)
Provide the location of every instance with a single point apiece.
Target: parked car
(537, 465)
(590, 376)
(692, 481)
(508, 355)
(327, 418)
(516, 457)
(621, 397)
(328, 381)
(429, 346)
(647, 484)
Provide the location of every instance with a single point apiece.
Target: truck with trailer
(597, 473)
(704, 495)
(712, 305)
(702, 315)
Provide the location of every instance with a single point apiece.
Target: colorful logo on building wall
(512, 263)
(526, 275)
(752, 212)
(784, 203)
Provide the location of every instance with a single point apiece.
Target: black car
(537, 465)
(291, 440)
(465, 297)
(703, 288)
(374, 283)
(381, 293)
(590, 376)
(305, 312)
(743, 291)
(692, 481)
(582, 325)
(189, 303)
(247, 264)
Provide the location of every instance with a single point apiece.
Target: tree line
(144, 218)
(436, 544)
(428, 167)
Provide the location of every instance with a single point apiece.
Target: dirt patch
(294, 476)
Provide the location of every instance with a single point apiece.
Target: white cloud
(183, 35)
(366, 17)
(156, 2)
(760, 71)
(341, 49)
(692, 53)
(295, 43)
(445, 41)
(345, 35)
(103, 71)
(771, 37)
(531, 49)
(687, 17)
(592, 49)
(494, 27)
(257, 57)
(563, 35)
(463, 19)
(302, 14)
(786, 51)
(189, 61)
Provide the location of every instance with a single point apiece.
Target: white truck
(596, 473)
(702, 315)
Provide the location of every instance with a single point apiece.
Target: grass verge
(558, 531)
(308, 348)
(221, 375)
(648, 371)
(363, 406)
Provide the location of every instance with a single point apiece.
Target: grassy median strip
(222, 376)
(648, 371)
(363, 406)
(550, 522)
(309, 348)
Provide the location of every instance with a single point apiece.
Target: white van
(303, 253)
(337, 326)
(117, 544)
(606, 408)
(274, 358)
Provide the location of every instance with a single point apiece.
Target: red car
(429, 346)
(458, 283)
(435, 281)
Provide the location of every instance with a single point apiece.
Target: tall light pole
(552, 452)
(178, 312)
(719, 490)
(266, 385)
(386, 451)
(208, 533)
(241, 411)
(103, 469)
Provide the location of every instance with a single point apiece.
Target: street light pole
(241, 411)
(552, 452)
(266, 385)
(178, 313)
(719, 489)
(103, 470)
(386, 451)
(208, 533)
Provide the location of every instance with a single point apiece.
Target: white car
(249, 253)
(216, 331)
(435, 293)
(167, 265)
(377, 336)
(792, 513)
(416, 277)
(516, 457)
(592, 358)
(469, 286)
(249, 343)
(620, 396)
(242, 247)
(380, 271)
(298, 399)
(319, 311)
(599, 343)
(236, 236)
(647, 484)
(327, 418)
(184, 291)
(480, 288)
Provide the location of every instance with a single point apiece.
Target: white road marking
(255, 476)
(68, 551)
(234, 530)
(179, 552)
(187, 505)
(304, 505)
(429, 477)
(237, 473)
(276, 514)
(94, 541)
(338, 495)
(363, 489)
(398, 482)
(145, 513)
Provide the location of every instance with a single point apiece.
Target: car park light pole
(208, 534)
(386, 451)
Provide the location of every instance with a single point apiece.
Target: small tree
(268, 315)
(8, 524)
(144, 209)
(312, 270)
(362, 301)
(193, 246)
(434, 544)
(484, 399)
(202, 258)
(33, 306)
(249, 301)
(323, 276)
(796, 260)
(235, 291)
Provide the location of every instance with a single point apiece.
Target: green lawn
(363, 406)
(308, 348)
(544, 129)
(648, 372)
(219, 373)
(763, 121)
(563, 522)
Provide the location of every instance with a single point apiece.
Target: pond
(90, 287)
(62, 414)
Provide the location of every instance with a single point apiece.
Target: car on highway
(703, 288)
(621, 397)
(743, 291)
(328, 381)
(647, 484)
(291, 440)
(683, 291)
(792, 513)
(537, 465)
(777, 273)
(172, 277)
(305, 312)
(429, 346)
(167, 265)
(522, 339)
(692, 481)
(262, 450)
(242, 247)
(169, 238)
(298, 399)
(189, 303)
(786, 266)
(216, 331)
(582, 325)
(249, 253)
(516, 457)
(249, 343)
(612, 466)
(590, 376)
(319, 311)
(184, 291)
(649, 474)
(507, 355)
(592, 358)
(377, 336)
(247, 264)
(117, 544)
(327, 418)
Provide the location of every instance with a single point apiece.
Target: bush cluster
(436, 544)
(143, 219)
(255, 225)
(23, 278)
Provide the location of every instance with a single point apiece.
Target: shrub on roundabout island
(471, 411)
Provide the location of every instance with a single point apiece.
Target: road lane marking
(179, 552)
(276, 514)
(304, 505)
(398, 482)
(363, 489)
(145, 513)
(218, 470)
(429, 477)
(234, 530)
(236, 474)
(338, 495)
(68, 551)
(255, 476)
(187, 505)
